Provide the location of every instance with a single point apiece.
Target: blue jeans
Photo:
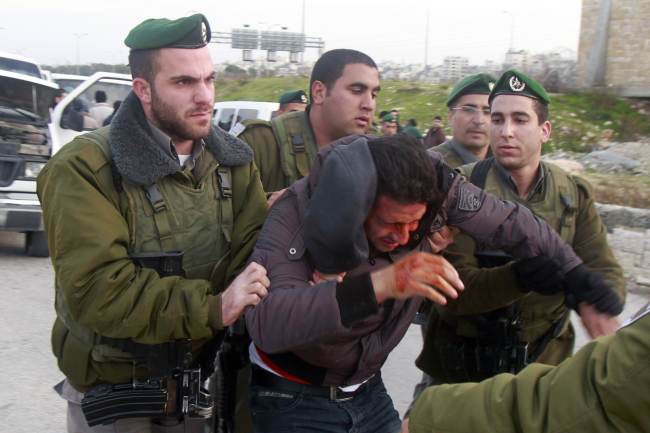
(278, 411)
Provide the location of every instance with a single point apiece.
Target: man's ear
(142, 90)
(318, 92)
(546, 131)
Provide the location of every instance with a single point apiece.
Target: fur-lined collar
(141, 161)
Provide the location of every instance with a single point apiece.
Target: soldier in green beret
(150, 222)
(388, 125)
(468, 115)
(343, 94)
(292, 101)
(513, 313)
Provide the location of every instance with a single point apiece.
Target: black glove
(539, 274)
(582, 285)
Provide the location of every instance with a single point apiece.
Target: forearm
(592, 391)
(592, 247)
(486, 289)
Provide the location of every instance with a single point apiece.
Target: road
(28, 369)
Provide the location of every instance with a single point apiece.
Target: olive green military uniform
(566, 203)
(120, 193)
(603, 388)
(284, 148)
(96, 214)
(454, 153)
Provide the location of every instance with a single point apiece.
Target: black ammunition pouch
(173, 388)
(178, 395)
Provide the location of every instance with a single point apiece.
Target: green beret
(388, 118)
(187, 32)
(514, 82)
(478, 84)
(298, 96)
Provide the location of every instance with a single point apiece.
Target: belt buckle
(333, 395)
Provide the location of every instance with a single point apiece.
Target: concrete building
(516, 59)
(453, 68)
(614, 49)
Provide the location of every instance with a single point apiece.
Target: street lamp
(78, 37)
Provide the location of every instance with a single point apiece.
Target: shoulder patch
(469, 199)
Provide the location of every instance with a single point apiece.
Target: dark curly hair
(405, 172)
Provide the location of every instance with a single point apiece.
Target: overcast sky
(387, 30)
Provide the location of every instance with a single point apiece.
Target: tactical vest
(165, 217)
(450, 156)
(296, 143)
(473, 347)
(558, 207)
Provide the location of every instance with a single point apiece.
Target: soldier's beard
(174, 123)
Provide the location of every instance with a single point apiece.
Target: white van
(116, 86)
(20, 65)
(67, 82)
(228, 114)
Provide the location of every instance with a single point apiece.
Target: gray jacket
(337, 334)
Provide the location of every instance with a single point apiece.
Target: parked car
(228, 114)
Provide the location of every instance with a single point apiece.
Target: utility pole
(302, 30)
(512, 29)
(426, 41)
(78, 37)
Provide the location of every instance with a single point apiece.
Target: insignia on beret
(516, 85)
(514, 82)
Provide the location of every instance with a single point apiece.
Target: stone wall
(621, 65)
(629, 237)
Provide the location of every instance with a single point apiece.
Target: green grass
(580, 120)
